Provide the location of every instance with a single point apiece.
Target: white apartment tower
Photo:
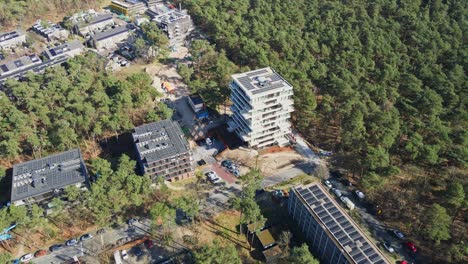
(262, 106)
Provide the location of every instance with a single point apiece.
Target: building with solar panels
(92, 22)
(163, 151)
(110, 38)
(11, 39)
(68, 49)
(42, 179)
(333, 235)
(19, 64)
(262, 106)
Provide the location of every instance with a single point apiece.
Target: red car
(149, 243)
(411, 247)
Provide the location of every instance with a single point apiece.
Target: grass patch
(301, 179)
(184, 182)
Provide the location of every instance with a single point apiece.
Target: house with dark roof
(330, 231)
(44, 178)
(69, 49)
(12, 39)
(110, 38)
(19, 64)
(163, 151)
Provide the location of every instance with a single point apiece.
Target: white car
(211, 175)
(398, 234)
(337, 192)
(124, 254)
(328, 184)
(216, 180)
(388, 247)
(27, 257)
(208, 141)
(359, 194)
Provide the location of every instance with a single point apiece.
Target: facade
(262, 106)
(177, 25)
(93, 22)
(41, 179)
(68, 49)
(163, 151)
(110, 38)
(19, 64)
(152, 3)
(50, 31)
(12, 39)
(331, 233)
(196, 102)
(128, 7)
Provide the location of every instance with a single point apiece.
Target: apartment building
(262, 106)
(12, 39)
(163, 151)
(128, 7)
(42, 179)
(92, 22)
(176, 24)
(68, 49)
(331, 233)
(110, 38)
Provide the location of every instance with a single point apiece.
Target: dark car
(226, 163)
(56, 247)
(86, 237)
(346, 182)
(201, 162)
(71, 242)
(137, 251)
(132, 221)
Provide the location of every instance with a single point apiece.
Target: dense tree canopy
(59, 109)
(216, 254)
(387, 76)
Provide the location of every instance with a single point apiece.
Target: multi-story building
(262, 106)
(152, 3)
(68, 49)
(128, 7)
(19, 64)
(176, 24)
(163, 151)
(11, 39)
(41, 179)
(110, 38)
(331, 233)
(93, 22)
(49, 30)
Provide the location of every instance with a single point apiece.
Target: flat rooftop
(261, 80)
(97, 19)
(68, 46)
(160, 140)
(170, 16)
(110, 33)
(341, 227)
(39, 176)
(10, 35)
(13, 65)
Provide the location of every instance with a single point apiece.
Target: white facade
(262, 106)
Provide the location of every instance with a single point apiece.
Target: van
(347, 202)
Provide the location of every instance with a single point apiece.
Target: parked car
(337, 192)
(149, 243)
(56, 247)
(124, 254)
(213, 177)
(226, 163)
(346, 182)
(328, 184)
(101, 231)
(388, 247)
(349, 204)
(86, 237)
(131, 221)
(208, 141)
(411, 247)
(27, 257)
(137, 251)
(397, 233)
(40, 253)
(236, 173)
(201, 162)
(71, 242)
(359, 194)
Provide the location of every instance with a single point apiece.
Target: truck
(347, 202)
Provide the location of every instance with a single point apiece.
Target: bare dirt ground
(269, 163)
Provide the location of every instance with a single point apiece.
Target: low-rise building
(68, 49)
(331, 233)
(19, 64)
(110, 38)
(93, 22)
(12, 39)
(262, 106)
(35, 67)
(176, 24)
(50, 31)
(42, 179)
(163, 151)
(128, 7)
(152, 3)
